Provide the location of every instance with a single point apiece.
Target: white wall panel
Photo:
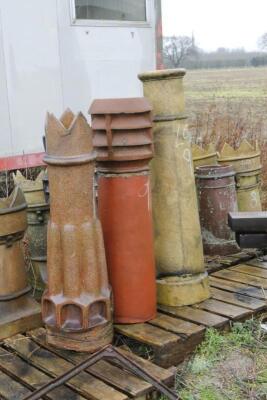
(5, 129)
(49, 63)
(102, 61)
(30, 38)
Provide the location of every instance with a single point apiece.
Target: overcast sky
(216, 23)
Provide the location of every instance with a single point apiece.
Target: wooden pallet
(27, 363)
(216, 263)
(237, 293)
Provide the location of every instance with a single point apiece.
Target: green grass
(226, 366)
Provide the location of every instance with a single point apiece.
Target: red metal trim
(21, 161)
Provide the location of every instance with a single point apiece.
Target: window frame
(109, 23)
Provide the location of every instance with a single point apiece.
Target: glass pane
(113, 10)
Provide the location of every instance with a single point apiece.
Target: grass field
(226, 83)
(227, 105)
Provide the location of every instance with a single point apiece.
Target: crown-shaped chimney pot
(199, 151)
(68, 140)
(32, 189)
(76, 306)
(245, 149)
(204, 155)
(67, 118)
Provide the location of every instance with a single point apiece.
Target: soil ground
(227, 366)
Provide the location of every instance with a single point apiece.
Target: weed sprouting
(230, 365)
(212, 345)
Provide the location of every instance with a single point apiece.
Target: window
(111, 10)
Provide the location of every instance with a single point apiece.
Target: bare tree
(263, 42)
(177, 48)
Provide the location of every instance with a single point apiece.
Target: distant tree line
(181, 51)
(263, 42)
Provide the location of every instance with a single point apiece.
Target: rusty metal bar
(107, 352)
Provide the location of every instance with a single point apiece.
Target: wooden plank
(84, 383)
(243, 255)
(10, 389)
(250, 270)
(179, 326)
(121, 379)
(32, 377)
(15, 320)
(227, 260)
(216, 263)
(225, 309)
(237, 287)
(111, 374)
(148, 334)
(238, 299)
(164, 375)
(197, 316)
(157, 372)
(165, 345)
(257, 263)
(212, 266)
(242, 278)
(191, 334)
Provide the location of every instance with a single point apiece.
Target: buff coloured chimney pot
(182, 279)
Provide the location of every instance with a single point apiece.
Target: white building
(56, 54)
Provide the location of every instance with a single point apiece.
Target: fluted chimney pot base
(89, 341)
